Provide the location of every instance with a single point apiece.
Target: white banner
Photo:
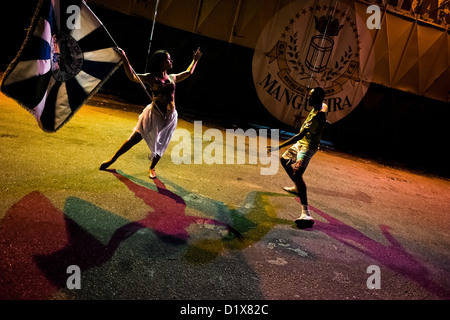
(308, 44)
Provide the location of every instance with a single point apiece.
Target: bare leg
(301, 189)
(305, 220)
(134, 139)
(152, 173)
(287, 167)
(290, 171)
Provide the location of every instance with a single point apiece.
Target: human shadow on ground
(39, 241)
(394, 256)
(245, 225)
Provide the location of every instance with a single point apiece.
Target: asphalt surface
(207, 231)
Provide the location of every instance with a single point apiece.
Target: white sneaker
(292, 190)
(305, 221)
(305, 216)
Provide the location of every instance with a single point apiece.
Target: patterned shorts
(299, 155)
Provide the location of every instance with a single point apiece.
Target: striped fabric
(67, 56)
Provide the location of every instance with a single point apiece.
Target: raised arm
(190, 70)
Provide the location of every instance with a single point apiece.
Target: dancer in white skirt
(158, 120)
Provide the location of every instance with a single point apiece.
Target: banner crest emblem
(305, 46)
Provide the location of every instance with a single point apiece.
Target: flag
(66, 57)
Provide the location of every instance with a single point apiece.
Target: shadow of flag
(66, 57)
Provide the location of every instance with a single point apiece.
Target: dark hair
(320, 92)
(156, 61)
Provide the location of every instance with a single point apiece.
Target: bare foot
(106, 164)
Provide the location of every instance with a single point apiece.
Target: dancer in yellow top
(296, 159)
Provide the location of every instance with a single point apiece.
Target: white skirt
(156, 129)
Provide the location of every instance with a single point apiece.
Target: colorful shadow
(169, 219)
(394, 256)
(38, 241)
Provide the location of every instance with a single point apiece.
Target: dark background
(393, 127)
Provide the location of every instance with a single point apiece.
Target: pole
(151, 34)
(132, 69)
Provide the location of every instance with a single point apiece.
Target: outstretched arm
(128, 69)
(190, 70)
(292, 140)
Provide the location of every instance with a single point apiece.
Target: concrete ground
(207, 231)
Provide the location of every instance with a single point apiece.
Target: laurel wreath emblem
(299, 70)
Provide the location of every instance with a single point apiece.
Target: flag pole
(151, 34)
(134, 72)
